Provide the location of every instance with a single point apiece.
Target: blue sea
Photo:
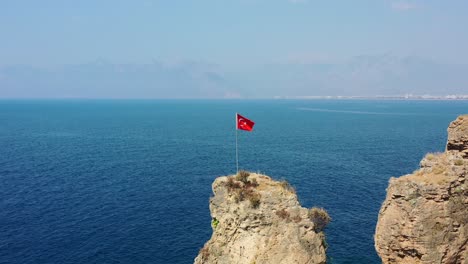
(128, 181)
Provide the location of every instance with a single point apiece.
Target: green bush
(459, 162)
(214, 222)
(319, 217)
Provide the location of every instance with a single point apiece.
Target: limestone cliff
(424, 218)
(259, 220)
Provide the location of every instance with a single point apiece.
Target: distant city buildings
(393, 97)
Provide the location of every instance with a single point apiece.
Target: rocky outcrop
(424, 218)
(458, 137)
(259, 220)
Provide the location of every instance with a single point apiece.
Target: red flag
(244, 123)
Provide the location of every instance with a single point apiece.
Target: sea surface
(128, 181)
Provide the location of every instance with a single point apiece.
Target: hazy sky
(229, 32)
(235, 34)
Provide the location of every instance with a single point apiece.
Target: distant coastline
(378, 97)
(305, 97)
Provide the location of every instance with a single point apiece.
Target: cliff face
(424, 218)
(259, 220)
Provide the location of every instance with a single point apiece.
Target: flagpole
(237, 153)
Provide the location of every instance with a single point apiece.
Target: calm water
(129, 181)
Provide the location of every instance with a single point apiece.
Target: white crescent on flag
(244, 123)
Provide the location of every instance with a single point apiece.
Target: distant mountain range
(361, 75)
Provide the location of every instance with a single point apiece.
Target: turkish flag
(244, 123)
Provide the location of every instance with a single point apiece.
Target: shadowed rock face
(259, 220)
(424, 218)
(458, 136)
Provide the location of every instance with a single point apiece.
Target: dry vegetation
(243, 176)
(437, 168)
(244, 189)
(232, 185)
(286, 186)
(434, 155)
(296, 218)
(254, 200)
(283, 214)
(204, 253)
(319, 217)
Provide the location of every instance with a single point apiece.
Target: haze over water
(121, 181)
(232, 49)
